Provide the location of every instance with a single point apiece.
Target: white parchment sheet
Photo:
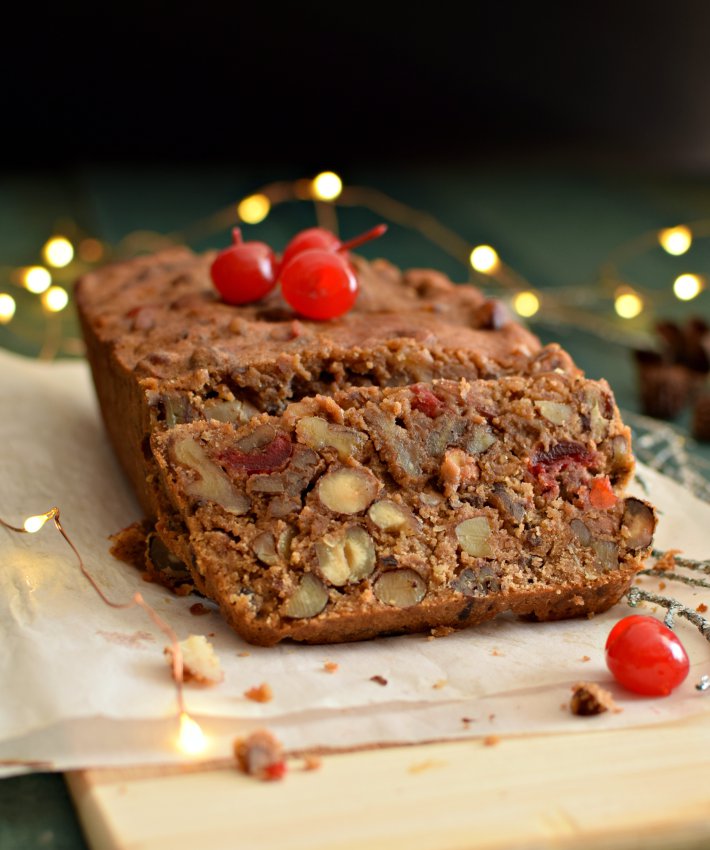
(86, 685)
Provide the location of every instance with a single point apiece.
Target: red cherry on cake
(318, 281)
(645, 656)
(244, 272)
(319, 284)
(321, 239)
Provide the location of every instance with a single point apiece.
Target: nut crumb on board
(260, 754)
(260, 693)
(589, 699)
(199, 661)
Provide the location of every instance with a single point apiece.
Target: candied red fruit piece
(424, 399)
(272, 457)
(558, 457)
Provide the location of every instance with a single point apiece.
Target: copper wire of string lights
(191, 739)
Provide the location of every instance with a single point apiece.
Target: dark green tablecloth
(552, 223)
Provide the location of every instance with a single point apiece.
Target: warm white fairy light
(58, 252)
(34, 523)
(676, 240)
(687, 286)
(254, 209)
(191, 739)
(628, 304)
(7, 308)
(36, 279)
(484, 259)
(526, 304)
(327, 186)
(55, 299)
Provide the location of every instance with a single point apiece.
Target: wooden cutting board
(637, 788)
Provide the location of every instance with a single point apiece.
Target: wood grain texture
(642, 788)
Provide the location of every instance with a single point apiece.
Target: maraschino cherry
(326, 240)
(645, 656)
(244, 272)
(316, 278)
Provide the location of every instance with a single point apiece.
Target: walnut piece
(318, 433)
(554, 411)
(260, 754)
(640, 522)
(211, 482)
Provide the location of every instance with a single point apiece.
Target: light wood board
(641, 788)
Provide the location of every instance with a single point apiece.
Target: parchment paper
(85, 685)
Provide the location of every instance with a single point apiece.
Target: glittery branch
(675, 608)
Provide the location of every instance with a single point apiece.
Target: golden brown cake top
(165, 319)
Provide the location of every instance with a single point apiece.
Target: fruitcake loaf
(484, 472)
(375, 511)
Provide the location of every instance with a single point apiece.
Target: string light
(7, 308)
(327, 186)
(58, 252)
(254, 209)
(34, 523)
(484, 259)
(687, 286)
(526, 304)
(676, 240)
(55, 299)
(36, 279)
(191, 739)
(628, 304)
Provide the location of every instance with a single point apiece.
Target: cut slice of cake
(376, 511)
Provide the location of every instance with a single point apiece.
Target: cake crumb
(585, 658)
(260, 693)
(702, 608)
(330, 667)
(467, 721)
(198, 609)
(497, 652)
(441, 631)
(439, 684)
(311, 762)
(667, 560)
(491, 740)
(661, 585)
(589, 699)
(199, 661)
(260, 754)
(243, 654)
(380, 680)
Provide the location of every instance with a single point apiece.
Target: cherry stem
(237, 236)
(369, 235)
